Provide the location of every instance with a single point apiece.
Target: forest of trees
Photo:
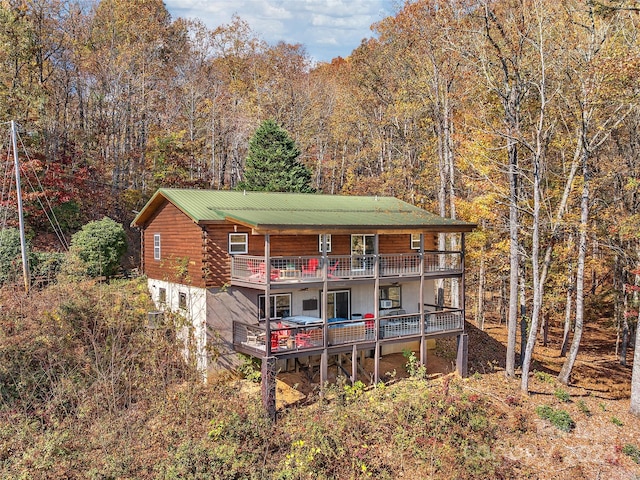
(520, 116)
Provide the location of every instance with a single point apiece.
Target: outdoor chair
(332, 269)
(311, 268)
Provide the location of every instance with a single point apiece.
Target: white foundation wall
(194, 313)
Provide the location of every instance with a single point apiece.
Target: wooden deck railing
(287, 338)
(253, 269)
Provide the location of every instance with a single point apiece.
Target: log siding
(181, 247)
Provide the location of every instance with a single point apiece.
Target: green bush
(559, 418)
(46, 265)
(583, 408)
(99, 246)
(543, 377)
(414, 368)
(562, 395)
(9, 254)
(632, 451)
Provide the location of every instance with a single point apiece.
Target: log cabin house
(284, 276)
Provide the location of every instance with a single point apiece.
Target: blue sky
(327, 28)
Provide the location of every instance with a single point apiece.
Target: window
(328, 237)
(156, 246)
(415, 241)
(361, 246)
(162, 295)
(279, 305)
(182, 300)
(238, 243)
(390, 297)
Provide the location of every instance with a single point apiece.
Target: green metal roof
(289, 212)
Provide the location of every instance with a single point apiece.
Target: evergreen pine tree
(272, 162)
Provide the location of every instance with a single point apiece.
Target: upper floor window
(362, 249)
(156, 246)
(415, 241)
(238, 243)
(328, 240)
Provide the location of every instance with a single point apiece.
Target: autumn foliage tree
(519, 116)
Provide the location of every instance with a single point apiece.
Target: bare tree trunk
(524, 324)
(503, 300)
(449, 159)
(618, 310)
(569, 307)
(481, 287)
(624, 333)
(635, 376)
(535, 273)
(514, 257)
(565, 372)
(567, 323)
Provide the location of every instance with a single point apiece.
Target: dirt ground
(392, 367)
(598, 401)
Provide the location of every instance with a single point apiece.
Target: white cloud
(328, 28)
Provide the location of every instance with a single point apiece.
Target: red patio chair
(368, 320)
(303, 340)
(311, 268)
(332, 268)
(275, 274)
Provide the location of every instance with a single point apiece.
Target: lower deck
(299, 336)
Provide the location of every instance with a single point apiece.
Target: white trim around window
(156, 246)
(328, 236)
(238, 243)
(415, 241)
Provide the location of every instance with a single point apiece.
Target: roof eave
(263, 229)
(152, 206)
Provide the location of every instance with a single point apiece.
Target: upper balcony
(250, 269)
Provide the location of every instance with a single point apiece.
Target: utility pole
(23, 242)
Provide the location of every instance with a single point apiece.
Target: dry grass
(86, 392)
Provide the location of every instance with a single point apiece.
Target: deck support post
(463, 354)
(423, 350)
(324, 368)
(269, 386)
(354, 364)
(376, 364)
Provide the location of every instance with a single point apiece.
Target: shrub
(250, 369)
(98, 246)
(559, 418)
(46, 265)
(543, 377)
(562, 395)
(617, 421)
(9, 254)
(632, 451)
(584, 408)
(414, 368)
